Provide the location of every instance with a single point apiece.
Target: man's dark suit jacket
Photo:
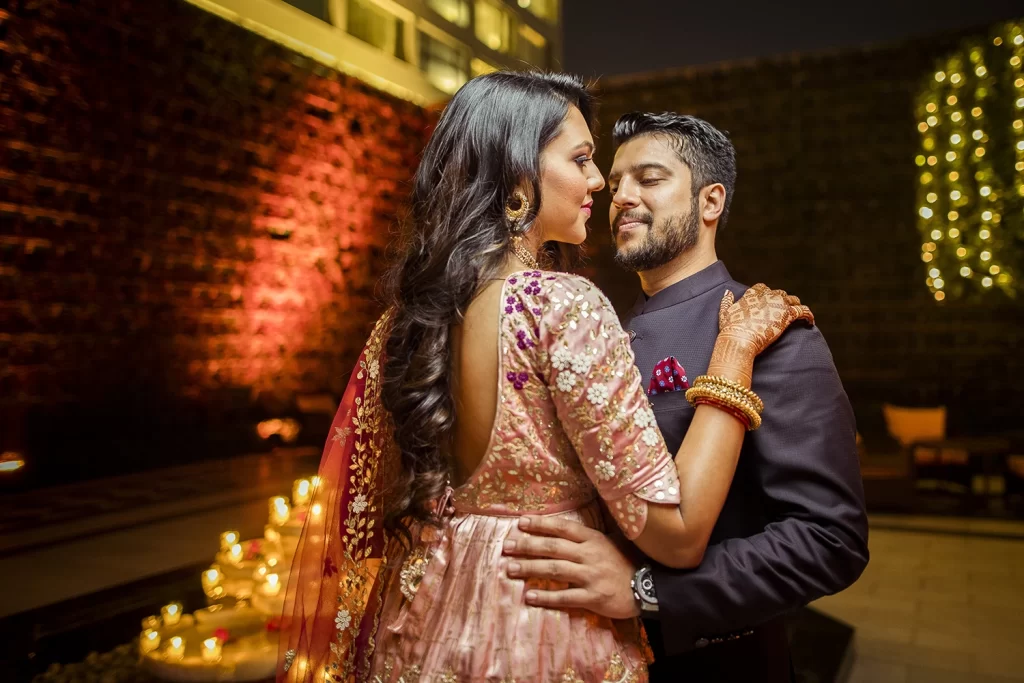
(793, 527)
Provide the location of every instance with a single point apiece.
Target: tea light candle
(279, 510)
(175, 649)
(228, 539)
(315, 481)
(149, 641)
(301, 492)
(151, 622)
(316, 510)
(171, 614)
(235, 554)
(272, 585)
(271, 535)
(211, 580)
(211, 650)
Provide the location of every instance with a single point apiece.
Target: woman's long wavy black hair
(486, 144)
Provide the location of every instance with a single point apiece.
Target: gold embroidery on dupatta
(372, 448)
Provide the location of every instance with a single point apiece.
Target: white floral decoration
(644, 417)
(650, 436)
(565, 381)
(598, 394)
(374, 368)
(359, 504)
(605, 470)
(343, 620)
(580, 364)
(561, 359)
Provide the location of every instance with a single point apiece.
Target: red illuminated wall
(192, 226)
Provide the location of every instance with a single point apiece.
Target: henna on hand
(748, 326)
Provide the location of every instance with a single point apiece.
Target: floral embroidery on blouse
(598, 394)
(573, 421)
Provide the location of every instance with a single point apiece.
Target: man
(793, 527)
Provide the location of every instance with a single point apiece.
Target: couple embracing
(518, 487)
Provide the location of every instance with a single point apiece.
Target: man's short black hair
(707, 151)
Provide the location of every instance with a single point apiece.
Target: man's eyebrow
(636, 169)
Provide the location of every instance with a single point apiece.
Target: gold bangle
(728, 404)
(736, 386)
(726, 396)
(716, 380)
(735, 412)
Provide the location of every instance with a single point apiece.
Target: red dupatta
(334, 595)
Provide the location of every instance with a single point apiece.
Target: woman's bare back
(475, 361)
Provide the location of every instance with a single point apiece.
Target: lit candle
(175, 649)
(279, 510)
(151, 622)
(315, 481)
(272, 586)
(171, 614)
(149, 641)
(211, 650)
(235, 554)
(316, 510)
(271, 535)
(301, 491)
(211, 581)
(228, 539)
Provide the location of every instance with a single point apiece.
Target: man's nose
(625, 196)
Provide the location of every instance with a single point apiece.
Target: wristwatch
(643, 590)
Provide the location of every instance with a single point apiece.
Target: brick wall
(824, 207)
(192, 224)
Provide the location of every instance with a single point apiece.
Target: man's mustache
(632, 217)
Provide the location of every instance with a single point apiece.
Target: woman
(515, 385)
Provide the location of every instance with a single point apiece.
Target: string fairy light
(970, 199)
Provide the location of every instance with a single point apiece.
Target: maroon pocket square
(668, 376)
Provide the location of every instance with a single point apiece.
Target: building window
(373, 25)
(545, 9)
(318, 8)
(532, 47)
(446, 66)
(479, 67)
(493, 26)
(455, 11)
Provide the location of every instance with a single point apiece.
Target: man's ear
(712, 203)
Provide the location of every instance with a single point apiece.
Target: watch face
(645, 584)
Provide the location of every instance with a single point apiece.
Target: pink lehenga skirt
(466, 621)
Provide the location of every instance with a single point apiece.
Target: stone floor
(129, 528)
(941, 601)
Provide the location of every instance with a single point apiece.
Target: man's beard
(660, 244)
